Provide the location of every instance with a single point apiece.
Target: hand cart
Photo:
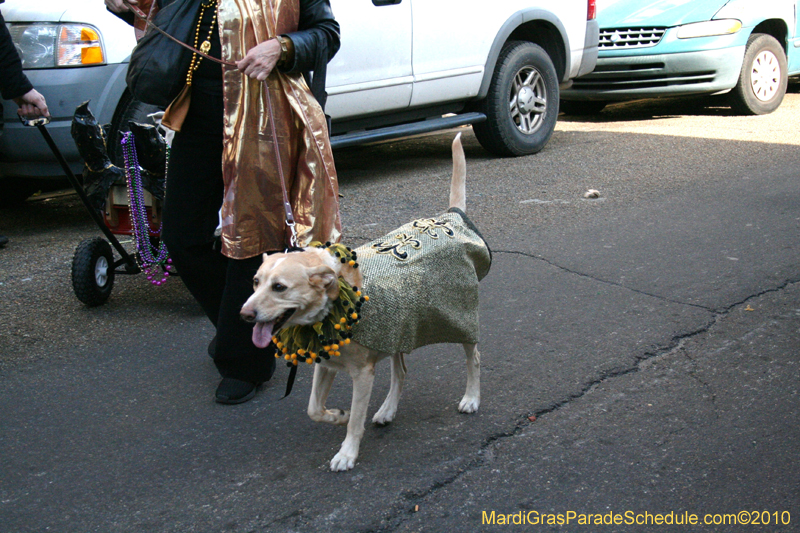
(93, 264)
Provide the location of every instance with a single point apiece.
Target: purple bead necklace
(155, 263)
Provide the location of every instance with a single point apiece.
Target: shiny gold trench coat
(253, 216)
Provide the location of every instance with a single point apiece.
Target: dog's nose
(247, 315)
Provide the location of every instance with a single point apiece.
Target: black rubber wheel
(763, 79)
(93, 271)
(128, 110)
(522, 104)
(582, 107)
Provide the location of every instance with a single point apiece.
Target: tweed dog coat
(422, 280)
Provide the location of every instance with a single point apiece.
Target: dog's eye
(255, 283)
(277, 287)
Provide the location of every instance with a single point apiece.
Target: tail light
(592, 10)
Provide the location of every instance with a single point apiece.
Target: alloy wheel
(528, 100)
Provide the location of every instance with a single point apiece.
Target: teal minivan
(653, 48)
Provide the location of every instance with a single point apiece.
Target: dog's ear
(323, 277)
(352, 275)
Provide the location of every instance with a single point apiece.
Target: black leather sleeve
(316, 41)
(317, 35)
(13, 82)
(127, 16)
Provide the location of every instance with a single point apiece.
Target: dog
(346, 310)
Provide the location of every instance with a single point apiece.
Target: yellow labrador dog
(348, 309)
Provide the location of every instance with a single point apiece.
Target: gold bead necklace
(205, 47)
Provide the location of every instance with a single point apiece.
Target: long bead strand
(158, 265)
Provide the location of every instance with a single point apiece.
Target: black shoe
(212, 347)
(3, 240)
(232, 391)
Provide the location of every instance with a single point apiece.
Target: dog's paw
(342, 462)
(336, 417)
(384, 416)
(469, 404)
(339, 417)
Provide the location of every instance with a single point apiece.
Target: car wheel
(763, 79)
(128, 110)
(13, 194)
(581, 107)
(93, 271)
(522, 104)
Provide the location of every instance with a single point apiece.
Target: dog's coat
(422, 280)
(426, 299)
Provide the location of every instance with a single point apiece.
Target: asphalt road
(640, 354)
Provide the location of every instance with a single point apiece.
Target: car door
(451, 43)
(371, 73)
(793, 51)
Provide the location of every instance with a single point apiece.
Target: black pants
(193, 199)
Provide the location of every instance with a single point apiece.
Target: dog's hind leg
(389, 408)
(472, 397)
(321, 386)
(363, 378)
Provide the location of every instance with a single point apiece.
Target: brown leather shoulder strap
(149, 24)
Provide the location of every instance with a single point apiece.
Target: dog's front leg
(321, 386)
(363, 378)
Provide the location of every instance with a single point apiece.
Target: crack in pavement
(485, 453)
(599, 280)
(722, 310)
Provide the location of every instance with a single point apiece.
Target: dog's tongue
(262, 333)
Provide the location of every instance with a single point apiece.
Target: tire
(13, 193)
(128, 110)
(522, 104)
(763, 78)
(93, 271)
(582, 107)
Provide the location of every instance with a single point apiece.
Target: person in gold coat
(223, 175)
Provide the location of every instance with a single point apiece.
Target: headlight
(44, 45)
(709, 28)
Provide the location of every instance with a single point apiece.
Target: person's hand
(118, 7)
(260, 60)
(32, 104)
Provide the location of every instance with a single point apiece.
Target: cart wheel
(93, 271)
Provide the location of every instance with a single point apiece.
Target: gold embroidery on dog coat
(422, 280)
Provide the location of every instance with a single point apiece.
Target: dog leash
(287, 206)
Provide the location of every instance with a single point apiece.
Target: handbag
(158, 65)
(176, 112)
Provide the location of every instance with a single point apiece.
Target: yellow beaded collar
(314, 342)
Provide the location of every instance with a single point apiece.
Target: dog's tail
(458, 184)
